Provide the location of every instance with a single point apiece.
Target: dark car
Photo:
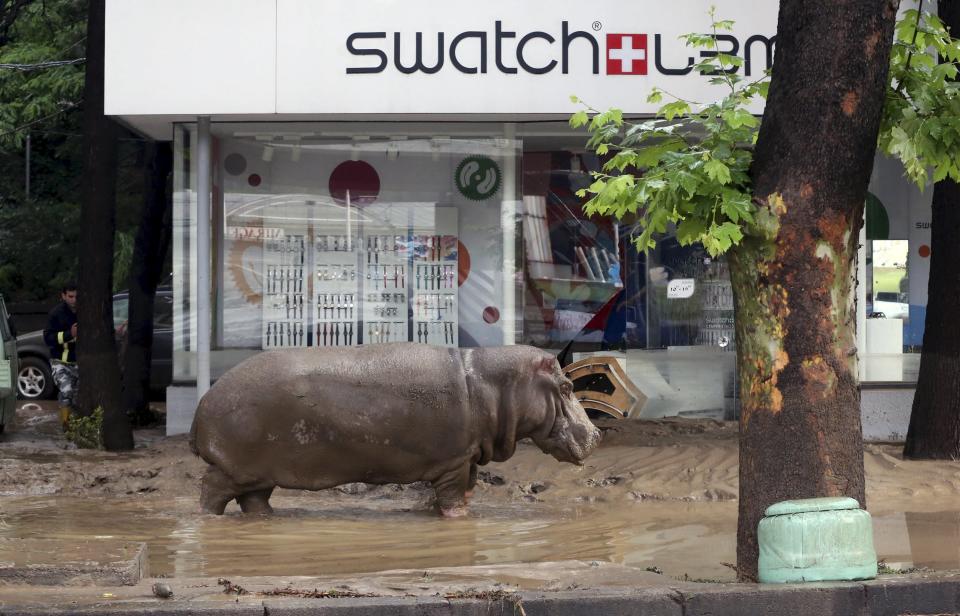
(35, 382)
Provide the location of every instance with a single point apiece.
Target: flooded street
(692, 539)
(300, 541)
(659, 495)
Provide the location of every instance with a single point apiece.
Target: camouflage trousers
(67, 378)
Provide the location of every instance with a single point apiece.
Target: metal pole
(27, 165)
(861, 287)
(203, 256)
(508, 222)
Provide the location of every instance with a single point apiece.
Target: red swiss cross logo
(626, 54)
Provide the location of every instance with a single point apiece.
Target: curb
(888, 596)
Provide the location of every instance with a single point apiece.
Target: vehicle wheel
(34, 380)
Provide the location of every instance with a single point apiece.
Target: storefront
(361, 173)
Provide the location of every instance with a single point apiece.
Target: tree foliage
(39, 236)
(921, 119)
(689, 166)
(42, 32)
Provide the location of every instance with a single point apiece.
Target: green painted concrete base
(816, 540)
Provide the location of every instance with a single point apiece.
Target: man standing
(61, 337)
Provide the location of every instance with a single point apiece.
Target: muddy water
(682, 539)
(688, 539)
(657, 494)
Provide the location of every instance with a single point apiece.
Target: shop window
(337, 239)
(893, 292)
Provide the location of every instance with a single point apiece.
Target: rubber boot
(64, 416)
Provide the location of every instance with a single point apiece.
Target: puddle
(692, 539)
(299, 541)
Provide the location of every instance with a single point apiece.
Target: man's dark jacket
(57, 334)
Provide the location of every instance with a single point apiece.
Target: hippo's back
(287, 413)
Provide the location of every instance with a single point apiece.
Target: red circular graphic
(254, 180)
(924, 251)
(357, 176)
(491, 314)
(463, 266)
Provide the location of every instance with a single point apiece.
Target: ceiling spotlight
(393, 151)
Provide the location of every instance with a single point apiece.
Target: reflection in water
(934, 539)
(301, 541)
(679, 538)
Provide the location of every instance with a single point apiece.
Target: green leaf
(717, 171)
(579, 119)
(674, 109)
(729, 59)
(690, 231)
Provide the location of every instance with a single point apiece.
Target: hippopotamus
(387, 413)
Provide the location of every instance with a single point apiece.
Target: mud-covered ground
(662, 460)
(659, 494)
(680, 460)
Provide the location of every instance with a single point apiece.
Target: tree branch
(9, 10)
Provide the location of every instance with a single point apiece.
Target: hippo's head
(564, 430)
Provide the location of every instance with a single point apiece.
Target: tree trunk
(149, 250)
(934, 432)
(800, 433)
(97, 353)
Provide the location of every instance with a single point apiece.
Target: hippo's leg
(471, 482)
(451, 488)
(257, 501)
(216, 490)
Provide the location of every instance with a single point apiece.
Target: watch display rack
(392, 277)
(385, 288)
(337, 300)
(435, 281)
(285, 305)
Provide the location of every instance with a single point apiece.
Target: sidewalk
(554, 589)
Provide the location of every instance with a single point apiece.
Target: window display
(382, 282)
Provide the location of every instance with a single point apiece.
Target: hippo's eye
(566, 389)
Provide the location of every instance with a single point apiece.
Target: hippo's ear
(545, 364)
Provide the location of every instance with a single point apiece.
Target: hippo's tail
(193, 437)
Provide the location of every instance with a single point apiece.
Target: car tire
(34, 379)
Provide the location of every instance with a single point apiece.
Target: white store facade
(376, 171)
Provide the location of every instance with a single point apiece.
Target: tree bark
(934, 432)
(793, 283)
(149, 249)
(97, 353)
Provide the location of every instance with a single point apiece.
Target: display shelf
(285, 299)
(386, 281)
(336, 283)
(435, 306)
(385, 286)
